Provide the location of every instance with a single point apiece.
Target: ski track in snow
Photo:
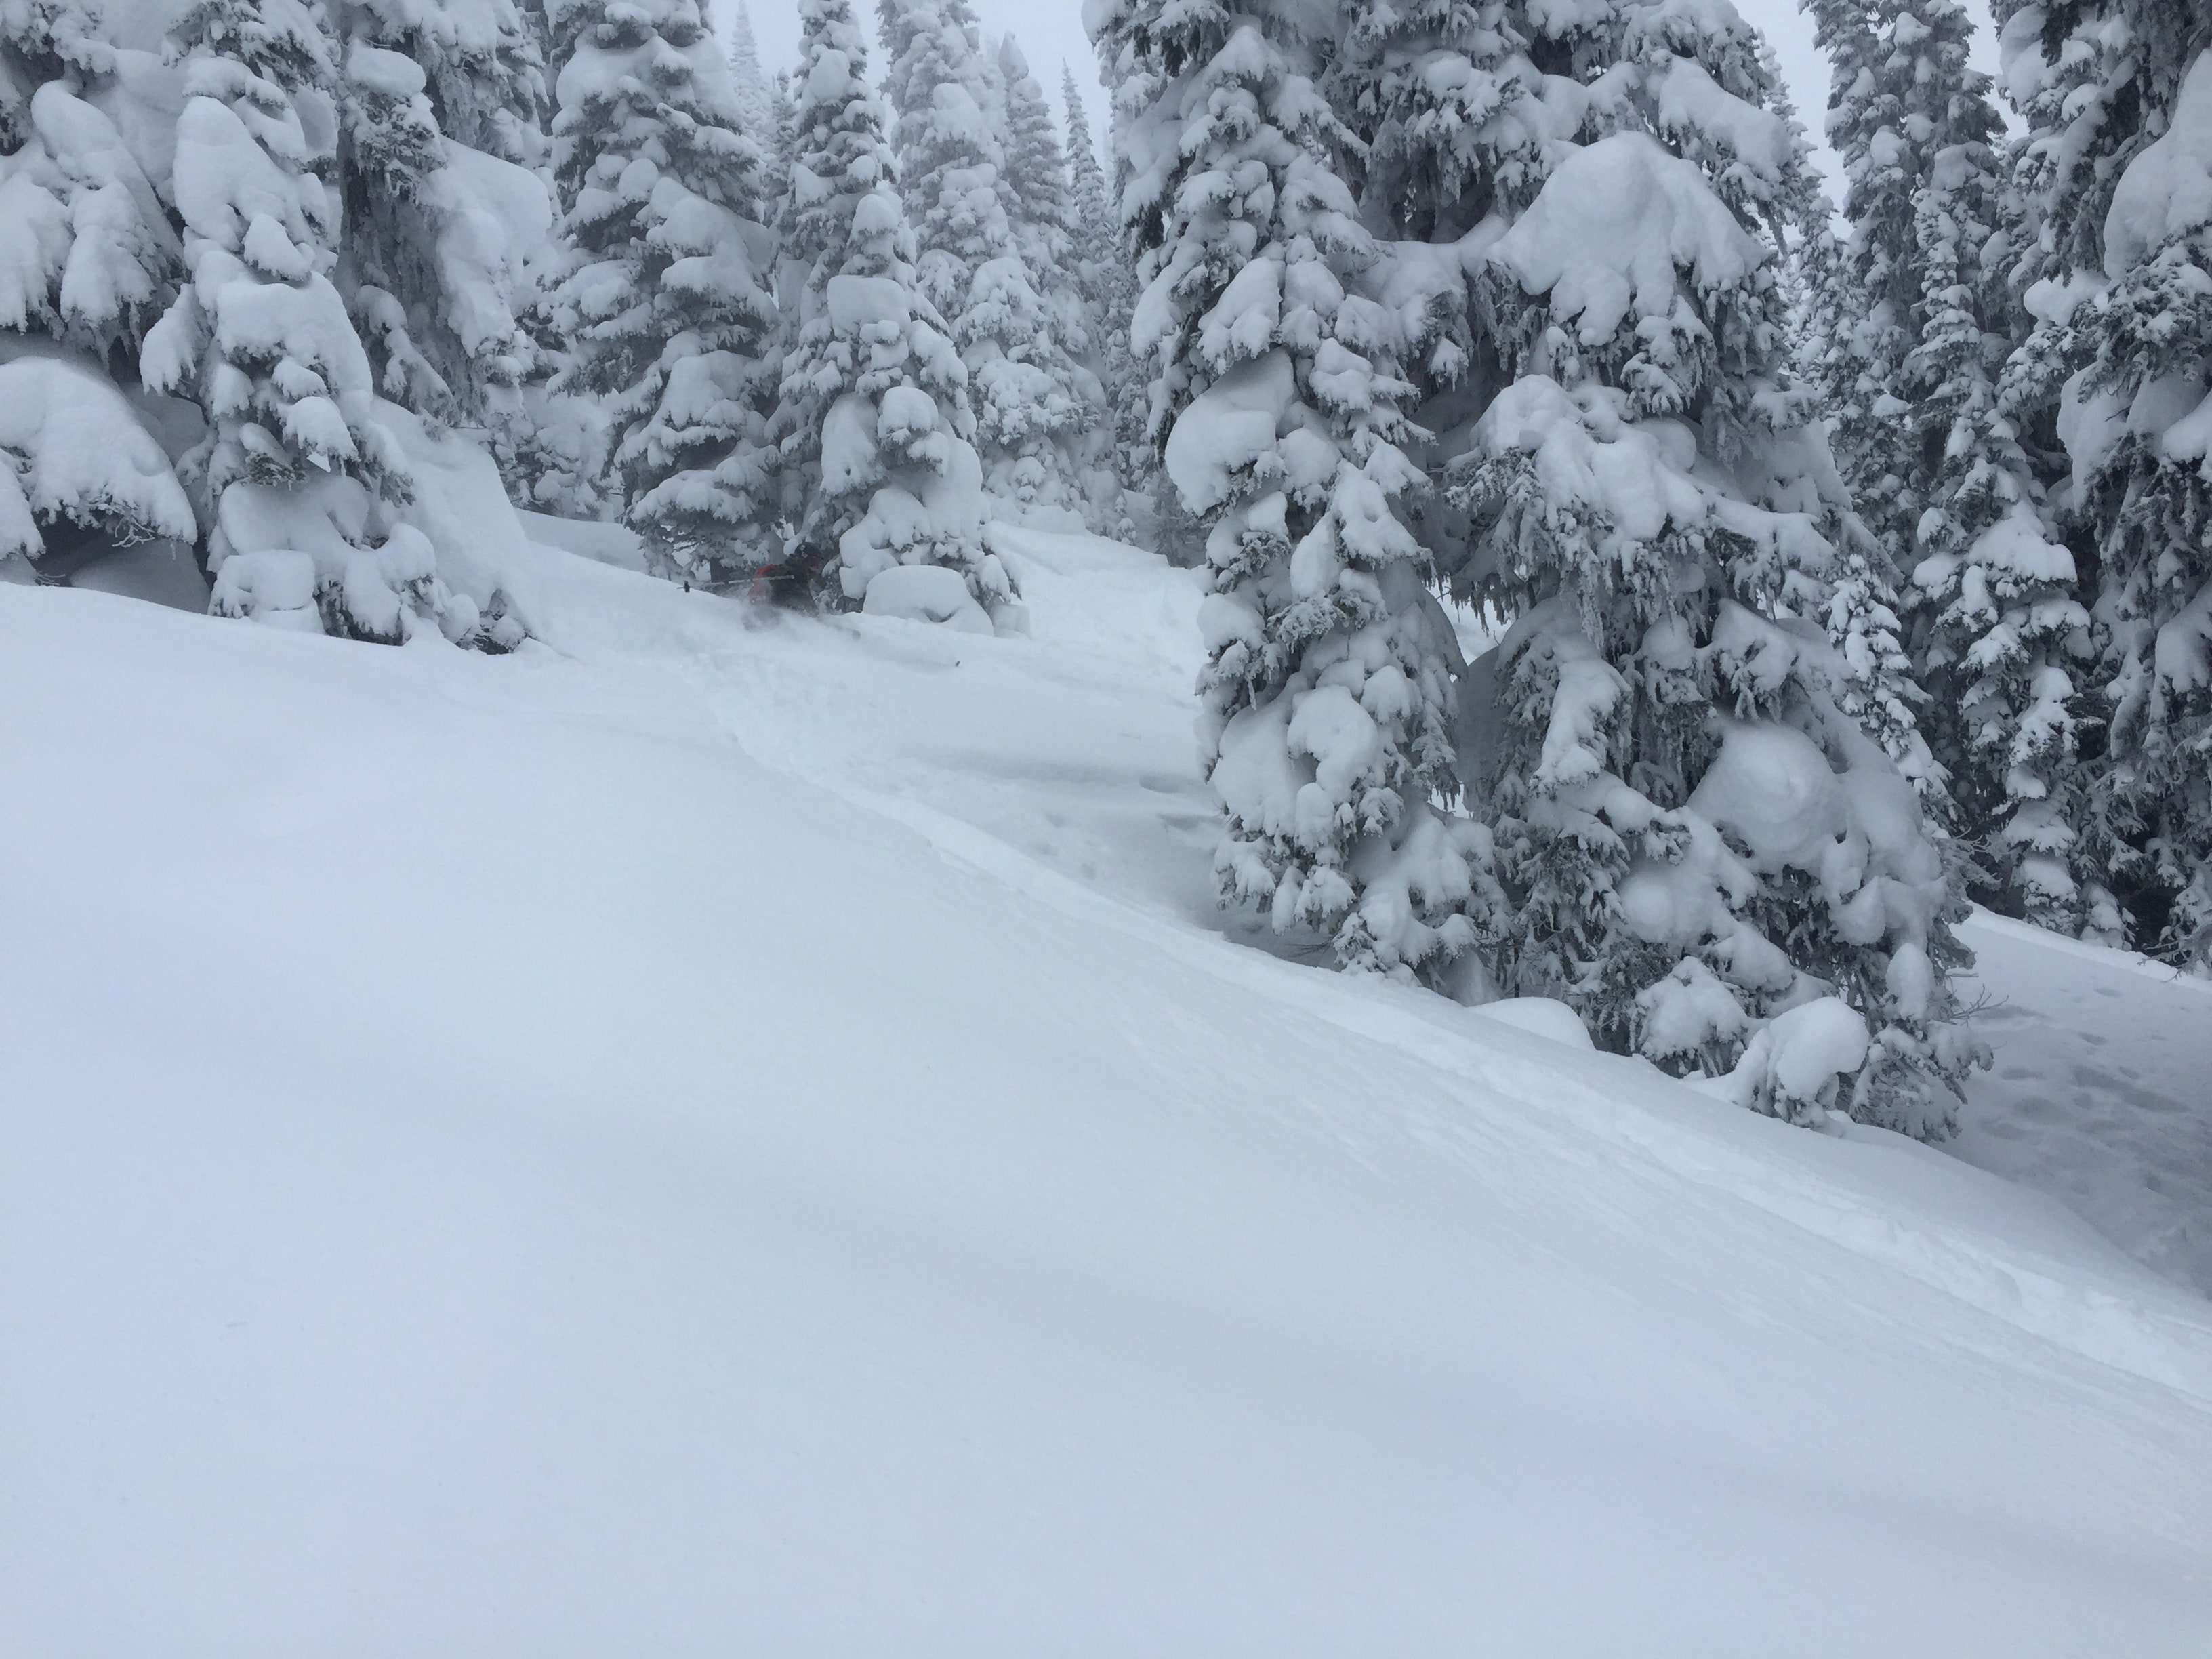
(1042, 760)
(741, 1134)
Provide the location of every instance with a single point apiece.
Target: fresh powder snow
(697, 1137)
(1414, 867)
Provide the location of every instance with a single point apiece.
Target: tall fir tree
(1695, 834)
(1872, 287)
(947, 155)
(298, 477)
(1065, 461)
(1035, 169)
(2117, 95)
(1107, 279)
(783, 117)
(971, 258)
(1449, 147)
(872, 421)
(1277, 390)
(754, 100)
(668, 311)
(1999, 632)
(1856, 370)
(1917, 321)
(441, 121)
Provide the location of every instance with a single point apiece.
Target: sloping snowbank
(2102, 1092)
(616, 544)
(557, 1156)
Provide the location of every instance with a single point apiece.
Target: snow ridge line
(2133, 962)
(2168, 1347)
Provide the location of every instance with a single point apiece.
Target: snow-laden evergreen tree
(1035, 169)
(299, 481)
(1107, 279)
(550, 439)
(1918, 319)
(776, 156)
(668, 310)
(87, 254)
(1696, 841)
(1276, 388)
(442, 119)
(872, 420)
(1024, 386)
(2118, 97)
(1439, 96)
(751, 95)
(1804, 210)
(947, 153)
(1087, 181)
(87, 261)
(1437, 92)
(1999, 630)
(483, 65)
(1069, 464)
(1864, 609)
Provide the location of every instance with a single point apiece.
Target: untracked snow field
(725, 1135)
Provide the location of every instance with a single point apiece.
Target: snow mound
(1543, 1017)
(79, 455)
(1789, 1068)
(1228, 428)
(616, 544)
(926, 594)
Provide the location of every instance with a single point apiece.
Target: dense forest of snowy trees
(1842, 568)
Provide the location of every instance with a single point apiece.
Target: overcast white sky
(1052, 30)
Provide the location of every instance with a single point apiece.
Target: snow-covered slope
(2102, 1090)
(707, 1139)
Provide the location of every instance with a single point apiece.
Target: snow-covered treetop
(947, 138)
(930, 44)
(280, 40)
(1035, 168)
(1226, 148)
(1082, 150)
(1698, 76)
(842, 198)
(479, 63)
(643, 94)
(756, 102)
(1446, 104)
